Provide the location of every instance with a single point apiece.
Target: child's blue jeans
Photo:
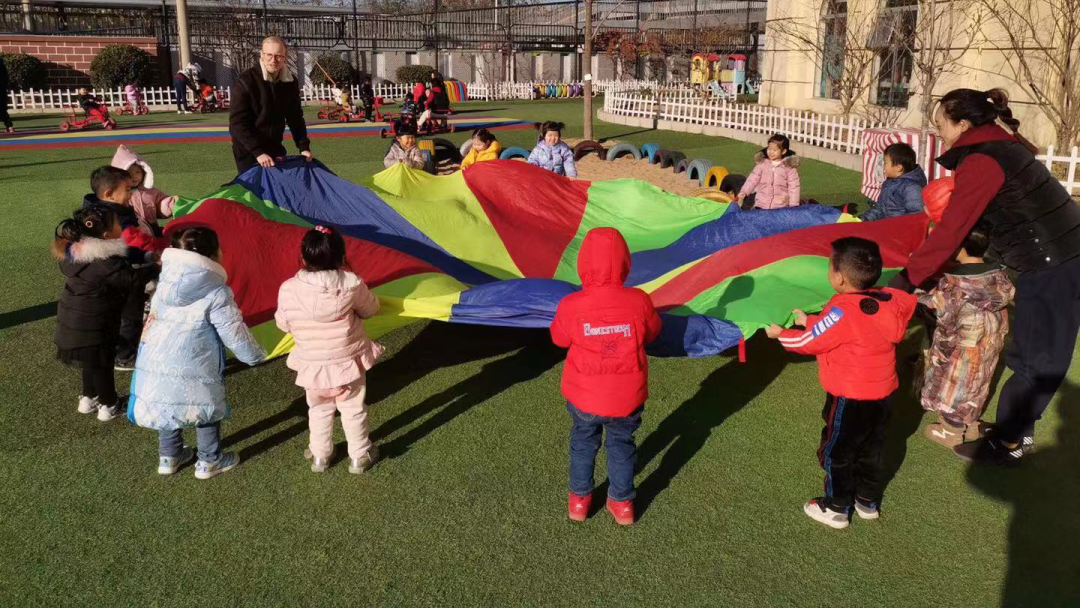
(207, 439)
(621, 451)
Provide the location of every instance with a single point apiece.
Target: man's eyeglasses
(269, 56)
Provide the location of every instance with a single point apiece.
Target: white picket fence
(57, 99)
(830, 132)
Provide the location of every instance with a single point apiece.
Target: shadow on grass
(1044, 534)
(686, 430)
(535, 355)
(28, 314)
(437, 345)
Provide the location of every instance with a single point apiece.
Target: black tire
(446, 150)
(587, 147)
(674, 157)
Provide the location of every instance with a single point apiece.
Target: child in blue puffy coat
(901, 193)
(179, 372)
(551, 152)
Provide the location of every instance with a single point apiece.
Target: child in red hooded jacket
(855, 341)
(606, 377)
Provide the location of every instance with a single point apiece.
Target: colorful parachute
(497, 245)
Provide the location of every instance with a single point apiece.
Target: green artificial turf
(468, 508)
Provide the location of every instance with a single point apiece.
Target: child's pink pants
(350, 403)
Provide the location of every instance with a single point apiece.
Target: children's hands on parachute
(774, 331)
(307, 155)
(800, 317)
(264, 160)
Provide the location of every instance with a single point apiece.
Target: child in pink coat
(775, 179)
(322, 307)
(149, 203)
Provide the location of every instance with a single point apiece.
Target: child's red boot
(578, 506)
(622, 510)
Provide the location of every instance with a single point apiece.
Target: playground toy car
(74, 121)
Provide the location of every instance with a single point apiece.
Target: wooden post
(182, 30)
(588, 78)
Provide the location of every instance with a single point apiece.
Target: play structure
(471, 248)
(722, 75)
(76, 121)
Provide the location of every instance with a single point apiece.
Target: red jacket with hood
(855, 340)
(606, 327)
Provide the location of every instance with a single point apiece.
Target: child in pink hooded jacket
(149, 203)
(322, 307)
(775, 179)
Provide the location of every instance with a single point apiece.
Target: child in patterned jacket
(970, 304)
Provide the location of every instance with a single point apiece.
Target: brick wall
(67, 58)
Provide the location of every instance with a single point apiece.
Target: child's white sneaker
(87, 405)
(817, 511)
(225, 462)
(867, 511)
(106, 413)
(168, 466)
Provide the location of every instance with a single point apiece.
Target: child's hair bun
(200, 239)
(323, 248)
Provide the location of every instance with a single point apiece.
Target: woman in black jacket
(97, 281)
(1035, 231)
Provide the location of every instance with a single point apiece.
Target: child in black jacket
(97, 282)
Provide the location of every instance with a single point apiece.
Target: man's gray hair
(275, 39)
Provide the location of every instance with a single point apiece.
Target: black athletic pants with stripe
(851, 449)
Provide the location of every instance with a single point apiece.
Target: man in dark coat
(264, 99)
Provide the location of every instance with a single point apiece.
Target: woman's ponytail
(1000, 100)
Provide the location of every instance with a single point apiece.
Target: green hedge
(120, 64)
(24, 71)
(412, 74)
(343, 73)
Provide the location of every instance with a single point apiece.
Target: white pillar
(182, 30)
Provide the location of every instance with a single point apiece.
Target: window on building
(892, 40)
(834, 45)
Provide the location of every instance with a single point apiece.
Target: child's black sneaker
(817, 511)
(990, 450)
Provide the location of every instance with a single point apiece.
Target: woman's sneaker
(225, 462)
(365, 462)
(168, 466)
(817, 511)
(87, 405)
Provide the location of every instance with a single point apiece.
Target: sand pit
(594, 169)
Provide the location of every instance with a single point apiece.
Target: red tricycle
(134, 110)
(74, 121)
(208, 100)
